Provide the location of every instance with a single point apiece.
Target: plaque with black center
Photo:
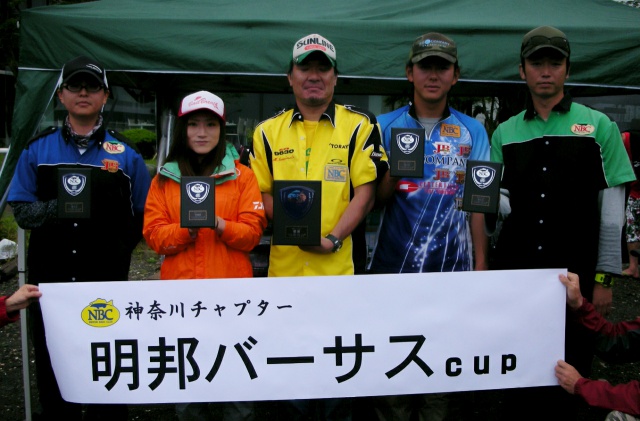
(74, 193)
(197, 202)
(296, 213)
(407, 152)
(482, 187)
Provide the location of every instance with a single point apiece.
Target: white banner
(298, 338)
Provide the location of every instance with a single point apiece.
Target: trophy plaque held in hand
(296, 213)
(74, 193)
(407, 152)
(482, 187)
(197, 202)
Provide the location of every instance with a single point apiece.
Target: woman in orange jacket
(198, 149)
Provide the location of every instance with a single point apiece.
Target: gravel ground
(480, 406)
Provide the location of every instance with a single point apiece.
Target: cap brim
(527, 53)
(81, 71)
(202, 108)
(303, 56)
(445, 56)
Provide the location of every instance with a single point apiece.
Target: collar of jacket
(98, 135)
(412, 111)
(329, 114)
(562, 107)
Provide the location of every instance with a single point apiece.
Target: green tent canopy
(245, 45)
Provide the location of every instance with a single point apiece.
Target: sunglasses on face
(539, 40)
(77, 87)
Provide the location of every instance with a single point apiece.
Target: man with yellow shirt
(319, 139)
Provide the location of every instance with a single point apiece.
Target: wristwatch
(604, 279)
(337, 244)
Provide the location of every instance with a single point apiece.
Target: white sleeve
(612, 218)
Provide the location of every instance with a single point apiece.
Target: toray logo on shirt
(582, 129)
(450, 130)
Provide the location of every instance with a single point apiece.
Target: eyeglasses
(75, 88)
(540, 40)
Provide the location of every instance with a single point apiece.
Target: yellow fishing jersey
(345, 153)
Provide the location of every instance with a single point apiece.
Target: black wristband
(337, 244)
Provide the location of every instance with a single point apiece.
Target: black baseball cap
(544, 37)
(83, 65)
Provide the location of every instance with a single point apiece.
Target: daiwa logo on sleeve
(100, 313)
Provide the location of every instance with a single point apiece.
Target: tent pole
(23, 327)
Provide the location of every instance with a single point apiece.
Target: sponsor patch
(406, 186)
(582, 129)
(442, 148)
(284, 151)
(100, 313)
(450, 130)
(113, 147)
(336, 173)
(110, 165)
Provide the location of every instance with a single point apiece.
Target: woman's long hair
(189, 162)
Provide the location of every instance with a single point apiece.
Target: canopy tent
(245, 45)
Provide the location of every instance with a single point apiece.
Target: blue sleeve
(24, 183)
(140, 182)
(480, 149)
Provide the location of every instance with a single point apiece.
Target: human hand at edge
(567, 376)
(24, 296)
(572, 284)
(325, 247)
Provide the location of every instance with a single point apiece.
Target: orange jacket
(209, 255)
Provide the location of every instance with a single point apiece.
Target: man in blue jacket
(89, 246)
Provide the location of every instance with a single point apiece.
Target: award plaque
(296, 213)
(482, 187)
(197, 202)
(74, 193)
(407, 152)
